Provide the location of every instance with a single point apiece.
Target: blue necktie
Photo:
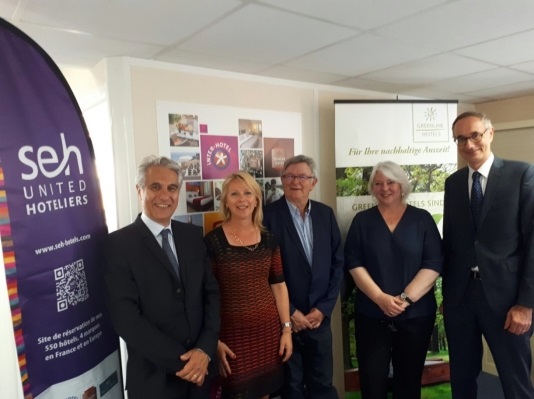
(168, 251)
(476, 198)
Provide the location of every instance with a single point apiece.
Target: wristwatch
(404, 296)
(287, 325)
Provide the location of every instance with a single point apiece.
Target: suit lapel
(492, 186)
(153, 245)
(318, 230)
(462, 198)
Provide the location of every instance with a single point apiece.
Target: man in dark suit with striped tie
(488, 276)
(162, 295)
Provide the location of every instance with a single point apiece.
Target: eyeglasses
(475, 137)
(301, 178)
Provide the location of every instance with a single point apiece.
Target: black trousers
(401, 343)
(465, 324)
(309, 371)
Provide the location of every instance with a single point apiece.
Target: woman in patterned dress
(255, 333)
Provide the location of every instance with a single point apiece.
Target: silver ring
(194, 376)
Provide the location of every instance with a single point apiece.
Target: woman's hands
(392, 306)
(286, 344)
(223, 352)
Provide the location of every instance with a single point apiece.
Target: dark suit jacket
(157, 322)
(502, 246)
(318, 286)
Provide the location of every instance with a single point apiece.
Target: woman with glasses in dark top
(393, 253)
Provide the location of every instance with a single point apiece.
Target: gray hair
(301, 159)
(152, 160)
(483, 117)
(393, 172)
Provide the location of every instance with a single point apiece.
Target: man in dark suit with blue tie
(312, 257)
(488, 277)
(162, 295)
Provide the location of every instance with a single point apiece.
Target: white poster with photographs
(210, 142)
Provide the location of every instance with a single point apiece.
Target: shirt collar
(295, 211)
(155, 228)
(485, 168)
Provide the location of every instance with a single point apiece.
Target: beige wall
(508, 111)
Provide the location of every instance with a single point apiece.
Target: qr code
(71, 285)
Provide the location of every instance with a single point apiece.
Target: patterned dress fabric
(250, 324)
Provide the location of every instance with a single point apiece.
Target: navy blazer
(502, 246)
(158, 320)
(316, 286)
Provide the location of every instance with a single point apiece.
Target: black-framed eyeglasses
(475, 137)
(302, 178)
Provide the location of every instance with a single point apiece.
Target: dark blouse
(394, 258)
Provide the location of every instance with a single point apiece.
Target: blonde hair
(252, 185)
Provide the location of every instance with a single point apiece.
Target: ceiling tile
(462, 23)
(367, 84)
(180, 56)
(481, 80)
(7, 8)
(302, 75)
(151, 22)
(262, 34)
(432, 93)
(507, 91)
(525, 66)
(361, 14)
(429, 69)
(359, 55)
(81, 49)
(511, 50)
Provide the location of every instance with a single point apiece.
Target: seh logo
(46, 160)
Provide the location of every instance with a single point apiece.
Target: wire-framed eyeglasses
(301, 178)
(475, 137)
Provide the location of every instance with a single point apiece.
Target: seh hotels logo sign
(431, 123)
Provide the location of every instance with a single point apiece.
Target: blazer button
(178, 290)
(187, 341)
(476, 242)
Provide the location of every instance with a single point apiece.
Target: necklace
(251, 248)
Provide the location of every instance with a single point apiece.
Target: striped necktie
(168, 251)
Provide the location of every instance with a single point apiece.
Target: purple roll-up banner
(52, 227)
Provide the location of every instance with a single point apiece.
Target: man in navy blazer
(312, 256)
(488, 278)
(165, 305)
